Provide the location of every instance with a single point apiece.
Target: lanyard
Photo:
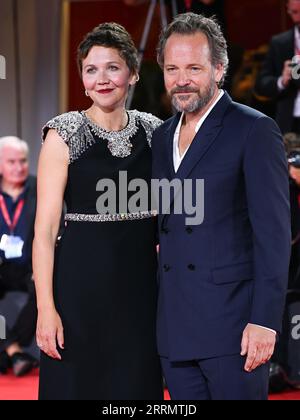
(11, 224)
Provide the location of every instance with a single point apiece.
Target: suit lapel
(170, 131)
(291, 44)
(205, 137)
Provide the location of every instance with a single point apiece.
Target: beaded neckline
(119, 142)
(80, 133)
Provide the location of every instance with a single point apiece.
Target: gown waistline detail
(119, 217)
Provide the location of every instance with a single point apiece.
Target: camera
(292, 148)
(294, 159)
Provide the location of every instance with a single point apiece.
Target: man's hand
(286, 73)
(258, 343)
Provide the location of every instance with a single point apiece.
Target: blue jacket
(232, 269)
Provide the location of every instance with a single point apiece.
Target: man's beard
(197, 104)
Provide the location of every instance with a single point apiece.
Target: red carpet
(291, 396)
(26, 388)
(288, 396)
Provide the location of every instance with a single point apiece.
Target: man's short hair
(190, 24)
(14, 142)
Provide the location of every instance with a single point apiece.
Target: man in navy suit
(222, 282)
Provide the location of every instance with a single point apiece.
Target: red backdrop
(250, 23)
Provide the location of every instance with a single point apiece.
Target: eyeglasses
(294, 159)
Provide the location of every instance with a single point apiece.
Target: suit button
(189, 230)
(167, 268)
(191, 267)
(165, 230)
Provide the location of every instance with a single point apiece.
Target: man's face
(190, 78)
(14, 166)
(293, 8)
(295, 174)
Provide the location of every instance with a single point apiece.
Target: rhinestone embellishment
(76, 217)
(79, 132)
(119, 143)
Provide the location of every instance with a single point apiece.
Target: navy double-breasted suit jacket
(232, 269)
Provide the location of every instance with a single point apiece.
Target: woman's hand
(50, 332)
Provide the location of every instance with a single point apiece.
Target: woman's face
(106, 77)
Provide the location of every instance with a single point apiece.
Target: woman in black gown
(97, 290)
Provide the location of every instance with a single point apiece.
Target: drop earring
(137, 78)
(87, 93)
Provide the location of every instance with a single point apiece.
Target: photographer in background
(292, 144)
(17, 214)
(276, 79)
(285, 367)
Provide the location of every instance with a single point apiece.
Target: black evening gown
(105, 286)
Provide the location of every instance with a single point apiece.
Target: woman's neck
(114, 120)
(14, 190)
